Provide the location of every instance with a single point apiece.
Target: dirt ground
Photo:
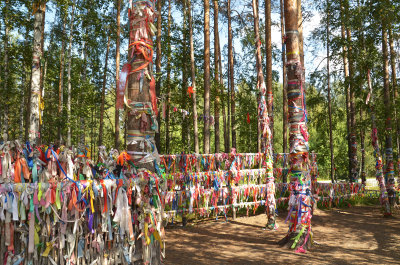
(357, 235)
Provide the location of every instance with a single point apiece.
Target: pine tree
(300, 235)
(206, 140)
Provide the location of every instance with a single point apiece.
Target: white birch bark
(35, 82)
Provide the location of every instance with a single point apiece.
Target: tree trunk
(4, 102)
(284, 84)
(206, 141)
(231, 75)
(117, 142)
(223, 97)
(184, 127)
(329, 92)
(69, 76)
(299, 236)
(141, 131)
(167, 118)
(216, 78)
(264, 121)
(300, 23)
(378, 157)
(35, 82)
(346, 82)
(268, 45)
(353, 131)
(103, 94)
(193, 72)
(83, 93)
(362, 139)
(22, 106)
(389, 174)
(158, 68)
(42, 78)
(393, 58)
(61, 84)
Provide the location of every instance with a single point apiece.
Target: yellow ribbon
(49, 246)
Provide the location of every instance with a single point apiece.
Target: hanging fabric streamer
(153, 95)
(123, 81)
(190, 91)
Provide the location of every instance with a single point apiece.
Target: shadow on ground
(358, 235)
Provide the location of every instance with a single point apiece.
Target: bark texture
(389, 173)
(193, 77)
(71, 30)
(329, 93)
(103, 94)
(216, 79)
(268, 45)
(265, 127)
(299, 236)
(231, 75)
(117, 141)
(346, 80)
(61, 83)
(206, 133)
(284, 82)
(383, 198)
(168, 81)
(35, 96)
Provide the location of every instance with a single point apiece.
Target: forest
(123, 121)
(84, 45)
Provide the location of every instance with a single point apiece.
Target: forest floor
(356, 235)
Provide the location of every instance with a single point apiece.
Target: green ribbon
(296, 239)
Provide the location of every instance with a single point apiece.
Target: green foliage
(95, 21)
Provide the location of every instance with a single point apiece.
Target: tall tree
(168, 81)
(353, 131)
(5, 117)
(268, 45)
(43, 70)
(231, 74)
(299, 236)
(103, 93)
(193, 77)
(117, 62)
(393, 58)
(61, 82)
(329, 89)
(383, 198)
(346, 78)
(206, 140)
(141, 131)
(222, 96)
(71, 29)
(300, 23)
(362, 140)
(216, 79)
(265, 125)
(35, 96)
(389, 174)
(284, 83)
(185, 125)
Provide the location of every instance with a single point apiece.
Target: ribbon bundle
(204, 201)
(377, 154)
(56, 204)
